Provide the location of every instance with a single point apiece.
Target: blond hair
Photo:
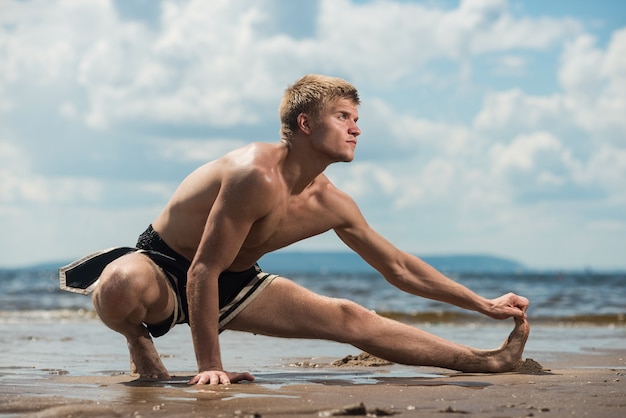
(311, 94)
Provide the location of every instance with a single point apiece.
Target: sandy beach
(70, 368)
(576, 385)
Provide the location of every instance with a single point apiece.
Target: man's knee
(120, 287)
(352, 319)
(116, 278)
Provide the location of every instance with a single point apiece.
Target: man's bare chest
(291, 221)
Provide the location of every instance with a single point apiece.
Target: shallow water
(85, 347)
(46, 332)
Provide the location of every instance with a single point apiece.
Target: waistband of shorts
(151, 240)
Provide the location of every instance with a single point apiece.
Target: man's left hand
(216, 377)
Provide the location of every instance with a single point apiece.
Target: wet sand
(79, 369)
(576, 385)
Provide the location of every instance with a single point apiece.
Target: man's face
(335, 130)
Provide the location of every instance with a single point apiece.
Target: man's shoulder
(252, 166)
(333, 198)
(252, 155)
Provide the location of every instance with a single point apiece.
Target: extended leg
(133, 291)
(286, 309)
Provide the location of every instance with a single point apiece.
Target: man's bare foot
(145, 360)
(504, 359)
(509, 356)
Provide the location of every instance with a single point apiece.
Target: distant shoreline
(337, 262)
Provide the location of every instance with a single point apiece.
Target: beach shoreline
(69, 366)
(590, 384)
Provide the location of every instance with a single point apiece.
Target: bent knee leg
(129, 288)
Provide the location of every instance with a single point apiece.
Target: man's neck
(300, 168)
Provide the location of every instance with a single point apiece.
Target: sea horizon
(343, 261)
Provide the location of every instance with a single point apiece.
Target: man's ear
(304, 123)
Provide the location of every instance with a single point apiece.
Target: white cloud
(367, 179)
(196, 151)
(68, 110)
(523, 152)
(614, 63)
(433, 183)
(397, 39)
(513, 110)
(42, 41)
(185, 73)
(608, 226)
(608, 167)
(19, 185)
(579, 73)
(445, 138)
(510, 64)
(595, 81)
(582, 126)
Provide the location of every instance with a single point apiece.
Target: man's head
(311, 94)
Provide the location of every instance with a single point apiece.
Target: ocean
(45, 330)
(563, 297)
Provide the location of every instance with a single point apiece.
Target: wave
(456, 318)
(459, 318)
(42, 315)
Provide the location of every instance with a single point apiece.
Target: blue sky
(489, 126)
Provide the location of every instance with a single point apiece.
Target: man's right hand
(509, 305)
(216, 377)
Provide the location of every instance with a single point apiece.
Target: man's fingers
(519, 313)
(218, 377)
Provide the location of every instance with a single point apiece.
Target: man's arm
(412, 275)
(237, 207)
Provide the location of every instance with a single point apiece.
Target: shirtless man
(229, 212)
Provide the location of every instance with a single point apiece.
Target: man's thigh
(286, 309)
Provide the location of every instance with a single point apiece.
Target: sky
(488, 126)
